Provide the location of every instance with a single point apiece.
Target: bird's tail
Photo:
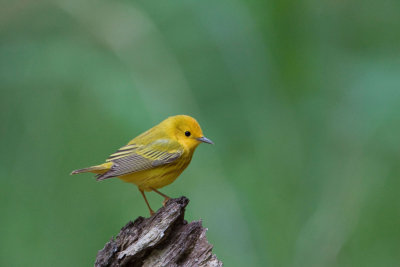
(99, 169)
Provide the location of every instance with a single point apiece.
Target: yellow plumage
(155, 158)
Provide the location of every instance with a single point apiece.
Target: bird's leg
(148, 205)
(166, 198)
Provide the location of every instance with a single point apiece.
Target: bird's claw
(165, 201)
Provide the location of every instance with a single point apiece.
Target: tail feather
(82, 170)
(100, 169)
(101, 177)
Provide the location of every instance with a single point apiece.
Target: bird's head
(186, 130)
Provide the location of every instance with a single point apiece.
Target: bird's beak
(205, 140)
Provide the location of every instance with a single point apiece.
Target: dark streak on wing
(110, 158)
(135, 162)
(122, 152)
(169, 159)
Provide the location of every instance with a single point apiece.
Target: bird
(155, 158)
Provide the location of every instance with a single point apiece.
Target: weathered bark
(164, 239)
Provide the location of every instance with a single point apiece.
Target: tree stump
(164, 239)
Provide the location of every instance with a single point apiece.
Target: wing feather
(122, 152)
(133, 158)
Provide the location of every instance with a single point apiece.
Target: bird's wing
(123, 152)
(133, 158)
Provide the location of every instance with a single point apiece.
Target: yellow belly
(155, 178)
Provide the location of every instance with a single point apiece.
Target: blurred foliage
(302, 99)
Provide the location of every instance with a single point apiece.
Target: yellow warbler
(155, 158)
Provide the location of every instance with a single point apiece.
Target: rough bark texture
(164, 239)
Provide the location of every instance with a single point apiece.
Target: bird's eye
(187, 133)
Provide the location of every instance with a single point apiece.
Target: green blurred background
(302, 99)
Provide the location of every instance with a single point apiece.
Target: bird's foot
(165, 201)
(152, 213)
